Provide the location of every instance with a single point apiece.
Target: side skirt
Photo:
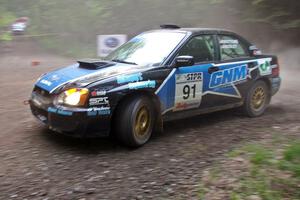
(190, 113)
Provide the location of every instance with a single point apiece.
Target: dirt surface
(38, 164)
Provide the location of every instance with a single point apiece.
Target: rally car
(159, 75)
(20, 25)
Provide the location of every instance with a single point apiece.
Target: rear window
(232, 48)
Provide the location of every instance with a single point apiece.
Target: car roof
(197, 30)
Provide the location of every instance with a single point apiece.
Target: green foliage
(291, 160)
(262, 180)
(201, 192)
(234, 196)
(6, 37)
(258, 154)
(235, 153)
(279, 14)
(6, 18)
(262, 186)
(78, 22)
(271, 171)
(216, 1)
(256, 2)
(292, 153)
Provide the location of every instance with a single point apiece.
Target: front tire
(135, 121)
(257, 99)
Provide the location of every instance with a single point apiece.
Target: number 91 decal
(188, 92)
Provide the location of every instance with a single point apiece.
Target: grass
(258, 154)
(234, 196)
(272, 171)
(291, 161)
(292, 153)
(258, 183)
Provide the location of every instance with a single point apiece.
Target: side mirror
(182, 61)
(254, 51)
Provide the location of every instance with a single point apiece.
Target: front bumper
(71, 121)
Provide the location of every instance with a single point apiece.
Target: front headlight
(73, 97)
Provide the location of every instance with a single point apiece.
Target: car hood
(83, 76)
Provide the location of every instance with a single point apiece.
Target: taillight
(275, 71)
(275, 67)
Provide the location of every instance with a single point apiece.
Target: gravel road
(38, 164)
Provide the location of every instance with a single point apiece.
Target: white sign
(108, 43)
(188, 92)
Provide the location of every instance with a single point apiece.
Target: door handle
(213, 69)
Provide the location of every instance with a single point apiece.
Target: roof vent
(94, 64)
(169, 26)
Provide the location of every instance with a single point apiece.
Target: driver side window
(200, 47)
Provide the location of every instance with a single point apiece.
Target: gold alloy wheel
(142, 122)
(258, 98)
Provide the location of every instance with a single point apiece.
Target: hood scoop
(94, 64)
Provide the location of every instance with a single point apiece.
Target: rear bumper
(275, 85)
(71, 122)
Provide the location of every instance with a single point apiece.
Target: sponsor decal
(129, 78)
(54, 77)
(64, 112)
(229, 44)
(188, 91)
(221, 83)
(46, 82)
(184, 106)
(264, 66)
(98, 101)
(99, 111)
(181, 106)
(96, 93)
(228, 76)
(143, 84)
(52, 110)
(104, 112)
(60, 112)
(92, 113)
(253, 47)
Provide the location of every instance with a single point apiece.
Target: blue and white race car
(159, 75)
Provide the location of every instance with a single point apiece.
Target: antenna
(169, 26)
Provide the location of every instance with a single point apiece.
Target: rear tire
(135, 121)
(257, 99)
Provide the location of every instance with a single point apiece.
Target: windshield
(148, 49)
